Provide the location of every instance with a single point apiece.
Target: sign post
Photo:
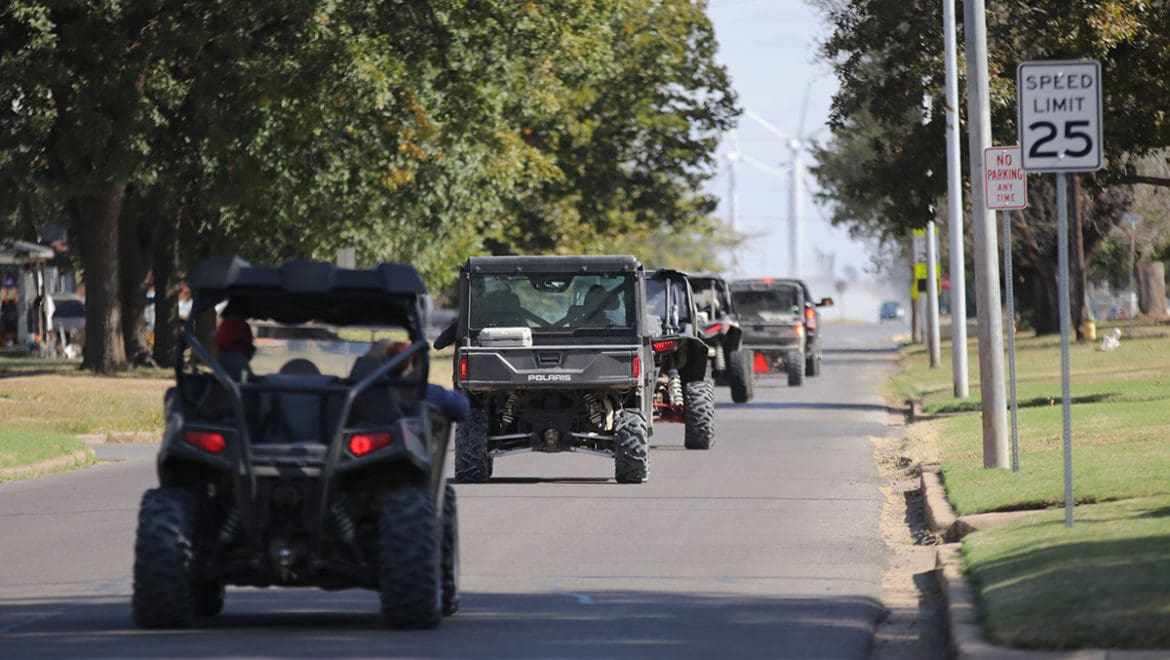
(1059, 125)
(1006, 189)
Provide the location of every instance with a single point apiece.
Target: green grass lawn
(1105, 582)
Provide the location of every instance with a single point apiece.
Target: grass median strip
(1105, 582)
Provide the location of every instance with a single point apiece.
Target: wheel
(700, 415)
(472, 462)
(408, 559)
(794, 363)
(740, 377)
(631, 447)
(450, 549)
(812, 365)
(163, 552)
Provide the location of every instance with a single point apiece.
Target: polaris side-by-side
(313, 465)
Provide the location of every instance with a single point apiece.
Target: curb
(967, 640)
(69, 460)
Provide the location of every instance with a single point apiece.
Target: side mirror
(825, 302)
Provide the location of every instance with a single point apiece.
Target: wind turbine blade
(803, 111)
(764, 167)
(768, 125)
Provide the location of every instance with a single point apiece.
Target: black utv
(683, 389)
(719, 326)
(312, 465)
(554, 355)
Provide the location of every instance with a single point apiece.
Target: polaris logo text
(549, 378)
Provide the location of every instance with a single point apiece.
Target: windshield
(552, 302)
(766, 304)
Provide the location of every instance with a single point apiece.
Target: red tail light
(462, 368)
(636, 367)
(713, 329)
(810, 318)
(208, 441)
(799, 330)
(361, 444)
(665, 345)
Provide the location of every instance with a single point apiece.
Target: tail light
(714, 329)
(361, 444)
(208, 441)
(665, 345)
(799, 329)
(636, 367)
(810, 318)
(462, 368)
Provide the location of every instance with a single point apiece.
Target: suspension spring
(343, 522)
(675, 389)
(596, 411)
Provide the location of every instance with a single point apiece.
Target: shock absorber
(507, 415)
(720, 357)
(596, 410)
(343, 522)
(230, 530)
(675, 388)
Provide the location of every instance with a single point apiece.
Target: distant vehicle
(781, 321)
(892, 310)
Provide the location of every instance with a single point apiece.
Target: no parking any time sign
(1005, 183)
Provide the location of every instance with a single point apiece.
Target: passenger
(236, 347)
(451, 402)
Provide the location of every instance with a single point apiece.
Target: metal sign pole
(1062, 293)
(1009, 295)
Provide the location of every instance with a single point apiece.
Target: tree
(889, 60)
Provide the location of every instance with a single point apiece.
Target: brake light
(636, 367)
(799, 330)
(208, 441)
(665, 345)
(768, 280)
(463, 368)
(810, 318)
(361, 444)
(712, 329)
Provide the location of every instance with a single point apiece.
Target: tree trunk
(1152, 288)
(134, 247)
(99, 217)
(1076, 262)
(166, 288)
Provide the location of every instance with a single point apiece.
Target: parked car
(891, 310)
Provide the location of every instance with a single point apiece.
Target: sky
(769, 48)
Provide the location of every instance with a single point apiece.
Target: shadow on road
(809, 405)
(561, 624)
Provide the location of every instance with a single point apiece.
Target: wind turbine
(795, 171)
(735, 156)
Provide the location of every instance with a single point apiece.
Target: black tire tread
(795, 367)
(163, 552)
(450, 551)
(408, 571)
(631, 451)
(740, 376)
(700, 414)
(472, 462)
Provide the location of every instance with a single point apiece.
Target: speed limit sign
(1059, 115)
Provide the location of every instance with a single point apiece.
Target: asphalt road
(765, 546)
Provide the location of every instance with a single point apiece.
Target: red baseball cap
(234, 334)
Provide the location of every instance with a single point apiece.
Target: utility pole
(955, 211)
(987, 298)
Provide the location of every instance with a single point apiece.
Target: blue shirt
(453, 404)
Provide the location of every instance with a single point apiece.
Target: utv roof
(302, 291)
(553, 264)
(668, 272)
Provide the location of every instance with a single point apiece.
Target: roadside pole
(955, 210)
(1059, 105)
(1006, 189)
(932, 338)
(991, 376)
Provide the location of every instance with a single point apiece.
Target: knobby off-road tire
(794, 363)
(163, 553)
(450, 551)
(472, 462)
(812, 365)
(631, 447)
(408, 558)
(700, 415)
(740, 376)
